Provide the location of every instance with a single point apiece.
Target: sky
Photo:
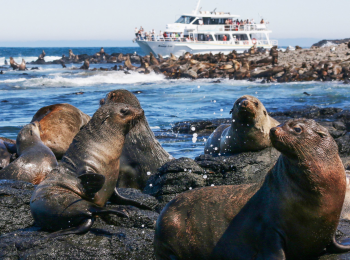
(92, 23)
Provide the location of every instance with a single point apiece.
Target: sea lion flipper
(81, 229)
(91, 182)
(97, 211)
(12, 148)
(336, 248)
(121, 200)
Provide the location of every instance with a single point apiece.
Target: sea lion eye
(256, 104)
(297, 129)
(124, 111)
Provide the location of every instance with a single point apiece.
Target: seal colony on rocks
(249, 129)
(77, 190)
(293, 214)
(59, 124)
(142, 154)
(35, 159)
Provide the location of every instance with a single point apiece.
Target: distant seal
(293, 214)
(14, 65)
(22, 66)
(71, 55)
(153, 60)
(248, 131)
(35, 159)
(86, 65)
(42, 55)
(76, 191)
(59, 124)
(128, 64)
(142, 153)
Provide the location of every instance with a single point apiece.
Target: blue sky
(113, 21)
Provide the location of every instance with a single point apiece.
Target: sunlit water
(165, 102)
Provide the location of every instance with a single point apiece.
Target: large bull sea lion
(249, 129)
(77, 190)
(14, 65)
(293, 214)
(142, 154)
(59, 124)
(35, 159)
(22, 66)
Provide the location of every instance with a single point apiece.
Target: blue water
(165, 102)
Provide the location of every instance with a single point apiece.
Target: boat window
(206, 20)
(217, 21)
(220, 37)
(205, 37)
(258, 36)
(240, 37)
(196, 22)
(185, 19)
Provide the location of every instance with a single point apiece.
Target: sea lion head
(303, 139)
(248, 109)
(121, 96)
(119, 116)
(27, 134)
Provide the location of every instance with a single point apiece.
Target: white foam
(329, 44)
(12, 80)
(92, 79)
(27, 59)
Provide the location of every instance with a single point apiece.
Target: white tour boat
(204, 32)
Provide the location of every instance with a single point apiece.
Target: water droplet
(185, 170)
(205, 176)
(221, 110)
(233, 120)
(142, 225)
(190, 188)
(151, 185)
(148, 173)
(212, 185)
(193, 128)
(214, 101)
(199, 86)
(215, 148)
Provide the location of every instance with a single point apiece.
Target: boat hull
(164, 48)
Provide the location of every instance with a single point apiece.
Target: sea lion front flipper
(12, 148)
(92, 183)
(121, 200)
(97, 211)
(81, 229)
(336, 248)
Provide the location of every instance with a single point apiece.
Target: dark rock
(14, 205)
(4, 101)
(249, 167)
(323, 42)
(190, 127)
(137, 195)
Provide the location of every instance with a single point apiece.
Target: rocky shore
(328, 63)
(113, 237)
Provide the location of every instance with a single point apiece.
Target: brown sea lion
(14, 65)
(249, 129)
(345, 214)
(86, 65)
(71, 55)
(142, 154)
(293, 214)
(59, 124)
(128, 64)
(22, 66)
(153, 60)
(77, 190)
(35, 159)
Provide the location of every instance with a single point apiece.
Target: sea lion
(142, 154)
(42, 55)
(5, 155)
(14, 65)
(345, 214)
(59, 124)
(35, 159)
(153, 60)
(79, 187)
(86, 65)
(22, 66)
(293, 214)
(71, 55)
(128, 64)
(249, 129)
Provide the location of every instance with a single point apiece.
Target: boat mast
(197, 8)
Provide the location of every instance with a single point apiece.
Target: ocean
(165, 102)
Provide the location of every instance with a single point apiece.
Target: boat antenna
(214, 11)
(197, 7)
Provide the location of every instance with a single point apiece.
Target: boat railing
(245, 27)
(229, 42)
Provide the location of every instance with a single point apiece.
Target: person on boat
(188, 39)
(181, 35)
(136, 32)
(165, 35)
(208, 38)
(262, 21)
(200, 22)
(252, 21)
(224, 38)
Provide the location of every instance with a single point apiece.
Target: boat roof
(212, 14)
